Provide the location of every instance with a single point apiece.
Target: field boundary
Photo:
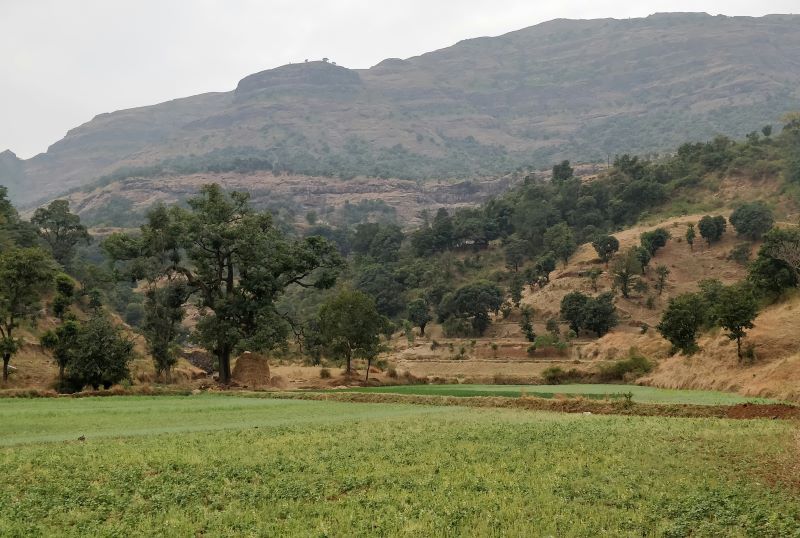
(563, 405)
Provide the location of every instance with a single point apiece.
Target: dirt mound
(251, 370)
(774, 411)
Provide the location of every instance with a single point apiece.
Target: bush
(626, 370)
(324, 373)
(555, 375)
(457, 328)
(740, 254)
(392, 372)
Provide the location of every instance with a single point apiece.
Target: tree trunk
(6, 359)
(422, 329)
(369, 363)
(739, 347)
(225, 366)
(348, 370)
(61, 375)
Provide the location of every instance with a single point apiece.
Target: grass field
(640, 394)
(234, 466)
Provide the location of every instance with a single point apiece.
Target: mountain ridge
(579, 89)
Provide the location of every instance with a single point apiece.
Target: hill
(579, 89)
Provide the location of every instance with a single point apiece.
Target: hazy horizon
(67, 65)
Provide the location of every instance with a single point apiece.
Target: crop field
(237, 466)
(594, 391)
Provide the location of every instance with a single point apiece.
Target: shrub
(626, 369)
(392, 372)
(740, 254)
(324, 373)
(555, 375)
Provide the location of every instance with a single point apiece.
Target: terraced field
(236, 466)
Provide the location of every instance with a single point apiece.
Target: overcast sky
(65, 61)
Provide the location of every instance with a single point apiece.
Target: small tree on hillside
(626, 270)
(516, 249)
(594, 274)
(25, 277)
(60, 229)
(654, 240)
(562, 172)
(662, 273)
(560, 241)
(752, 220)
(62, 343)
(351, 327)
(419, 313)
(474, 302)
(600, 314)
(712, 228)
(682, 320)
(606, 246)
(526, 324)
(515, 289)
(690, 235)
(573, 310)
(736, 310)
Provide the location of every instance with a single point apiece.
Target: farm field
(641, 394)
(233, 466)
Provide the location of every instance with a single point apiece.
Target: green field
(640, 394)
(236, 466)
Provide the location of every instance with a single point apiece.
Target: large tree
(712, 228)
(351, 326)
(606, 246)
(60, 229)
(419, 313)
(234, 261)
(560, 241)
(682, 320)
(474, 302)
(626, 270)
(26, 275)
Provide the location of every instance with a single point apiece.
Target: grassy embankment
(226, 465)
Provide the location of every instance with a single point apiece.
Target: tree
(712, 228)
(559, 240)
(473, 302)
(351, 326)
(681, 321)
(690, 235)
(600, 314)
(767, 131)
(654, 240)
(626, 270)
(562, 172)
(419, 313)
(644, 257)
(26, 275)
(516, 249)
(101, 356)
(62, 342)
(606, 246)
(777, 266)
(515, 289)
(235, 261)
(163, 315)
(594, 274)
(752, 220)
(381, 282)
(573, 310)
(736, 311)
(662, 272)
(526, 324)
(60, 229)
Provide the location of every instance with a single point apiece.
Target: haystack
(252, 370)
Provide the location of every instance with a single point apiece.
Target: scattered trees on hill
(712, 228)
(26, 275)
(752, 220)
(351, 327)
(235, 261)
(606, 246)
(60, 229)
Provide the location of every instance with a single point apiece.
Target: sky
(65, 61)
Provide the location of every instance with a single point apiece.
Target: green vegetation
(242, 466)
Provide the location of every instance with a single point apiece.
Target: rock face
(581, 90)
(251, 370)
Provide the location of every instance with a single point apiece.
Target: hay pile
(251, 370)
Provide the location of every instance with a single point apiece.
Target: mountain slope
(573, 89)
